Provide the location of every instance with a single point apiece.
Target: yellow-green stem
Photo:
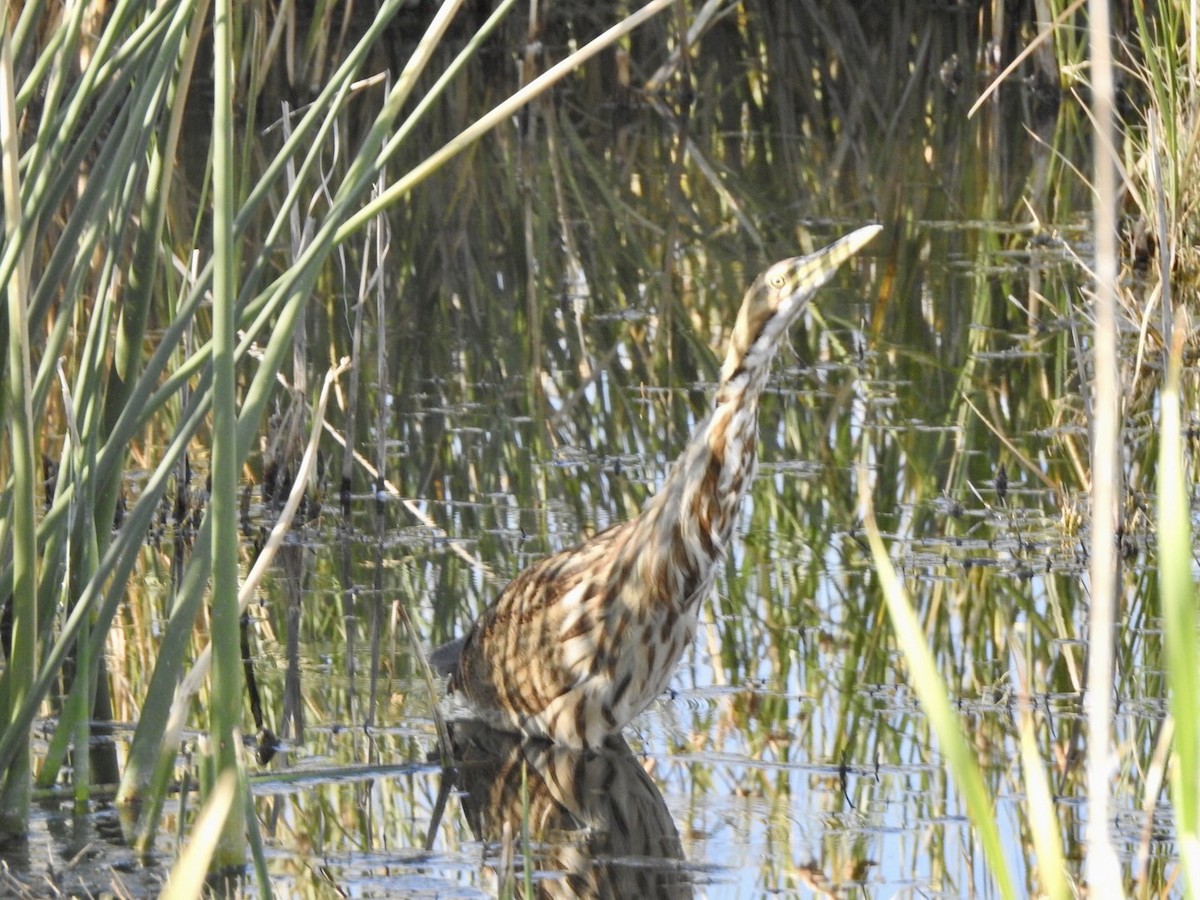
(1179, 619)
(16, 788)
(226, 699)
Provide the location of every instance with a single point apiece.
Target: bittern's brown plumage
(582, 641)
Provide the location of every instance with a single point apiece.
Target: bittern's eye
(778, 281)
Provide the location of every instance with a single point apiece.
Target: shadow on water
(547, 338)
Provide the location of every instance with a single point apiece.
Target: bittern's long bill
(582, 641)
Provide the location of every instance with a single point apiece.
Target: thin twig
(392, 491)
(1025, 462)
(1043, 36)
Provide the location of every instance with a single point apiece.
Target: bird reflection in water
(597, 825)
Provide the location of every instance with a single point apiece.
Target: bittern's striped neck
(687, 525)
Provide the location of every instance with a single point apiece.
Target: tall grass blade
(225, 700)
(1044, 823)
(190, 870)
(935, 699)
(1179, 618)
(15, 784)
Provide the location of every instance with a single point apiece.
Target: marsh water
(543, 331)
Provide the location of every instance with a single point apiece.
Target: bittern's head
(779, 295)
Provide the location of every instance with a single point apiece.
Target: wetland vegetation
(521, 305)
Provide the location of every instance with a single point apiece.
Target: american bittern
(582, 641)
